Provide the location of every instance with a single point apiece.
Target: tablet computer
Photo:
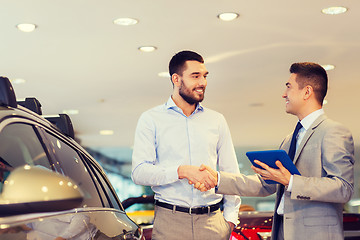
(269, 157)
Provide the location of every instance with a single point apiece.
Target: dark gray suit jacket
(313, 208)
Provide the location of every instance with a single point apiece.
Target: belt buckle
(201, 210)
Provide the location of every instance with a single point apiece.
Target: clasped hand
(202, 178)
(208, 178)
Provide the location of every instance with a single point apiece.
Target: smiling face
(294, 97)
(192, 83)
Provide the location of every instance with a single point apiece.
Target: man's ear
(175, 78)
(309, 91)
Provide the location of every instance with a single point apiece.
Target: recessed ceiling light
(26, 27)
(17, 81)
(229, 16)
(147, 48)
(49, 116)
(334, 10)
(71, 111)
(106, 132)
(125, 21)
(328, 67)
(164, 74)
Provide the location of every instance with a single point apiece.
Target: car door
(100, 215)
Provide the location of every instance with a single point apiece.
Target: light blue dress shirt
(165, 138)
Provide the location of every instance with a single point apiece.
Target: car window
(20, 145)
(105, 187)
(73, 167)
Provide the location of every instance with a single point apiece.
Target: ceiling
(78, 59)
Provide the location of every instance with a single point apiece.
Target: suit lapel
(308, 134)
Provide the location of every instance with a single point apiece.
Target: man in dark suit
(308, 206)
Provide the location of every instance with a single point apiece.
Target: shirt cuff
(172, 174)
(218, 182)
(231, 217)
(289, 188)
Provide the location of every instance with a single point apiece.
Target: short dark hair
(311, 74)
(177, 62)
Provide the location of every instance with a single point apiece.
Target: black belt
(197, 210)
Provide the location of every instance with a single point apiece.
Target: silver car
(51, 188)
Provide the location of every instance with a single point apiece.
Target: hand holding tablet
(269, 158)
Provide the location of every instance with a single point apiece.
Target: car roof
(12, 109)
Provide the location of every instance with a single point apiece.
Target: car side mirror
(30, 189)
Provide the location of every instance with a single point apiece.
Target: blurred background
(105, 62)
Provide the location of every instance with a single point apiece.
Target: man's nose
(203, 81)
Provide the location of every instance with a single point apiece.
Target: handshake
(203, 178)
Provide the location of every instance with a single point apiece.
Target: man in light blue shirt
(171, 142)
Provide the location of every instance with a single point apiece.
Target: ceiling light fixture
(17, 81)
(164, 74)
(229, 16)
(26, 27)
(328, 67)
(147, 48)
(71, 111)
(125, 21)
(334, 10)
(106, 132)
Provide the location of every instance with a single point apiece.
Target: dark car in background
(51, 188)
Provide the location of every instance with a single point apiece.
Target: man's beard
(186, 94)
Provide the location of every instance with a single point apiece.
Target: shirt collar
(309, 119)
(170, 104)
